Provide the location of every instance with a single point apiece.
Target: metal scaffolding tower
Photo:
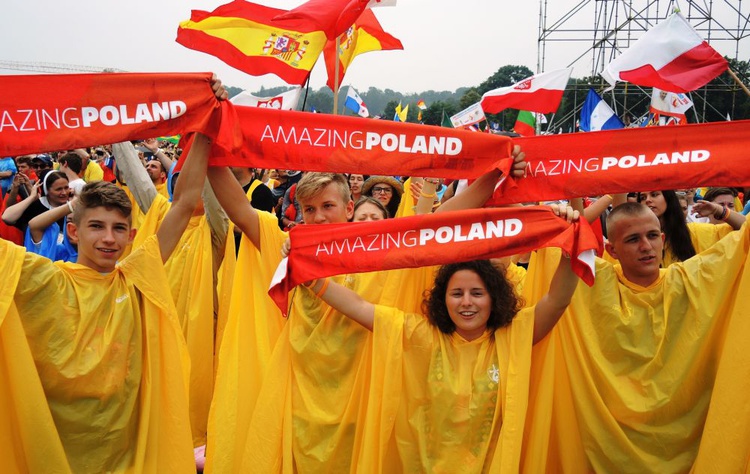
(52, 68)
(593, 32)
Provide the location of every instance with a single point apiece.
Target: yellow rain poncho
(146, 224)
(252, 327)
(111, 360)
(28, 438)
(226, 276)
(441, 404)
(189, 271)
(702, 236)
(653, 379)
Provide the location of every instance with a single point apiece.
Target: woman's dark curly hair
(505, 303)
(676, 232)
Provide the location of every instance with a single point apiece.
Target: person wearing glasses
(386, 189)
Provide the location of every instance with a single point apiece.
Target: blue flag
(597, 115)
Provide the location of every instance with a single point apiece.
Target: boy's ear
(131, 237)
(72, 232)
(611, 250)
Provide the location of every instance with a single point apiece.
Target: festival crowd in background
(158, 348)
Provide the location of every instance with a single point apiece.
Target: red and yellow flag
(363, 36)
(333, 17)
(246, 36)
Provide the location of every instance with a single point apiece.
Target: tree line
(720, 98)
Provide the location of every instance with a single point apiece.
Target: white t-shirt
(77, 186)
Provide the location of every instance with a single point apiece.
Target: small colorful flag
(421, 105)
(446, 121)
(174, 139)
(597, 115)
(525, 124)
(285, 101)
(355, 103)
(541, 93)
(470, 115)
(401, 114)
(670, 103)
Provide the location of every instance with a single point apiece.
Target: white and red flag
(670, 103)
(285, 101)
(671, 56)
(540, 93)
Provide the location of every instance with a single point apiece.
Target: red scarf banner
(60, 112)
(321, 142)
(323, 250)
(632, 159)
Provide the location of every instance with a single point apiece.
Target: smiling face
(655, 201)
(327, 206)
(637, 243)
(102, 235)
(469, 304)
(57, 191)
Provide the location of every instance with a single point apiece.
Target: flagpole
(336, 79)
(737, 80)
(307, 88)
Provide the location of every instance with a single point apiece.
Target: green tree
(469, 98)
(504, 77)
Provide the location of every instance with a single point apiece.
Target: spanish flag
(334, 17)
(246, 36)
(363, 36)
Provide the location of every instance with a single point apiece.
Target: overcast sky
(447, 43)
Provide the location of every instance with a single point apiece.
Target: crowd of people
(142, 294)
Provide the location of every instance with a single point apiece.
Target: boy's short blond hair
(102, 194)
(313, 183)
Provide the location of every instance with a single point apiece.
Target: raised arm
(134, 174)
(186, 195)
(14, 212)
(481, 190)
(564, 282)
(234, 201)
(345, 301)
(39, 224)
(19, 181)
(707, 208)
(153, 145)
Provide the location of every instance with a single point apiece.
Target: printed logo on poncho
(493, 373)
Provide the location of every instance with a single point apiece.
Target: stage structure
(593, 32)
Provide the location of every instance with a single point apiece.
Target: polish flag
(541, 93)
(285, 101)
(671, 56)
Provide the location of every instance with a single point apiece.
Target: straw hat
(373, 180)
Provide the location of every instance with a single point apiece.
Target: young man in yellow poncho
(105, 342)
(648, 371)
(305, 416)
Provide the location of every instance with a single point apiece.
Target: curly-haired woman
(449, 389)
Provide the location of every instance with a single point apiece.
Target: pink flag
(671, 56)
(541, 93)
